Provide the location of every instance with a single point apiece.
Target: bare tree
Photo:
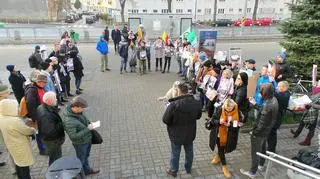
(122, 4)
(215, 11)
(169, 6)
(255, 9)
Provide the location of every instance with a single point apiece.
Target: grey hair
(48, 95)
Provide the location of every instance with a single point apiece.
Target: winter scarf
(223, 130)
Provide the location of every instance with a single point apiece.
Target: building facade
(202, 10)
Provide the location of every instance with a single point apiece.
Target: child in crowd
(132, 57)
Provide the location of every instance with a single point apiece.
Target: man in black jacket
(116, 37)
(262, 127)
(181, 120)
(50, 126)
(283, 70)
(35, 59)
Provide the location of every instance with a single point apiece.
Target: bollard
(17, 35)
(86, 35)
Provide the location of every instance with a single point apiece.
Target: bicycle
(301, 87)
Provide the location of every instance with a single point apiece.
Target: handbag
(96, 137)
(211, 94)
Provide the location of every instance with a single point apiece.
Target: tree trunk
(122, 4)
(255, 9)
(169, 6)
(215, 11)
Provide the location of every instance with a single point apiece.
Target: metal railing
(290, 164)
(87, 32)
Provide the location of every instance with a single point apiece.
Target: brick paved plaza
(136, 143)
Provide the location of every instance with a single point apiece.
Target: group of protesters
(34, 114)
(223, 90)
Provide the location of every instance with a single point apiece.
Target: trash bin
(67, 167)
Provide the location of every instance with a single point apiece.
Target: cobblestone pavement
(136, 143)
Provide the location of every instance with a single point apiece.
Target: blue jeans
(78, 82)
(175, 156)
(41, 146)
(123, 64)
(83, 152)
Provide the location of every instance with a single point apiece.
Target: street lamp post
(195, 10)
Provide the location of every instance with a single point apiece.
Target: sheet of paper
(96, 124)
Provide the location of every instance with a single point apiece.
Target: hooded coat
(102, 46)
(181, 119)
(16, 133)
(17, 80)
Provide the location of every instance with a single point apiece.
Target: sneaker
(247, 173)
(43, 153)
(2, 164)
(107, 69)
(80, 89)
(78, 92)
(70, 95)
(170, 173)
(92, 172)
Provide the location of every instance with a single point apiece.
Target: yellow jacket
(16, 133)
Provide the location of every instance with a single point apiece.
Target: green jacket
(76, 126)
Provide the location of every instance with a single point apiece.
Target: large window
(145, 11)
(164, 11)
(155, 11)
(220, 11)
(207, 11)
(248, 10)
(240, 10)
(180, 11)
(230, 10)
(199, 11)
(190, 10)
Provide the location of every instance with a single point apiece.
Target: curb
(223, 39)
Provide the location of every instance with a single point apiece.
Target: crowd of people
(222, 88)
(34, 114)
(223, 91)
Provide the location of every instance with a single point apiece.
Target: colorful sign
(207, 41)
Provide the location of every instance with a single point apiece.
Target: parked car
(247, 22)
(89, 20)
(223, 22)
(263, 22)
(70, 19)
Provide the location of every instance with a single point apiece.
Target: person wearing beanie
(240, 94)
(35, 59)
(34, 97)
(123, 52)
(47, 70)
(78, 128)
(250, 64)
(16, 80)
(283, 70)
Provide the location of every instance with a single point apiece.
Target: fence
(90, 33)
(294, 166)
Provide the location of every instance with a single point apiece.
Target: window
(135, 11)
(220, 11)
(240, 10)
(129, 10)
(281, 10)
(222, 0)
(207, 11)
(164, 11)
(230, 10)
(248, 10)
(180, 0)
(179, 11)
(155, 11)
(199, 10)
(144, 10)
(190, 10)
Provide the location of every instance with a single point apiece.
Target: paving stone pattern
(136, 143)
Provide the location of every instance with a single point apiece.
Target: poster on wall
(207, 41)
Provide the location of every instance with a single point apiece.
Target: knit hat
(244, 78)
(251, 61)
(41, 78)
(78, 101)
(283, 55)
(10, 68)
(4, 91)
(216, 70)
(45, 65)
(37, 48)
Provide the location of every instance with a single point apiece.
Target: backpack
(23, 110)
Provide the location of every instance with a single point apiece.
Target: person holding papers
(78, 127)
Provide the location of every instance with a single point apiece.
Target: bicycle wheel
(296, 89)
